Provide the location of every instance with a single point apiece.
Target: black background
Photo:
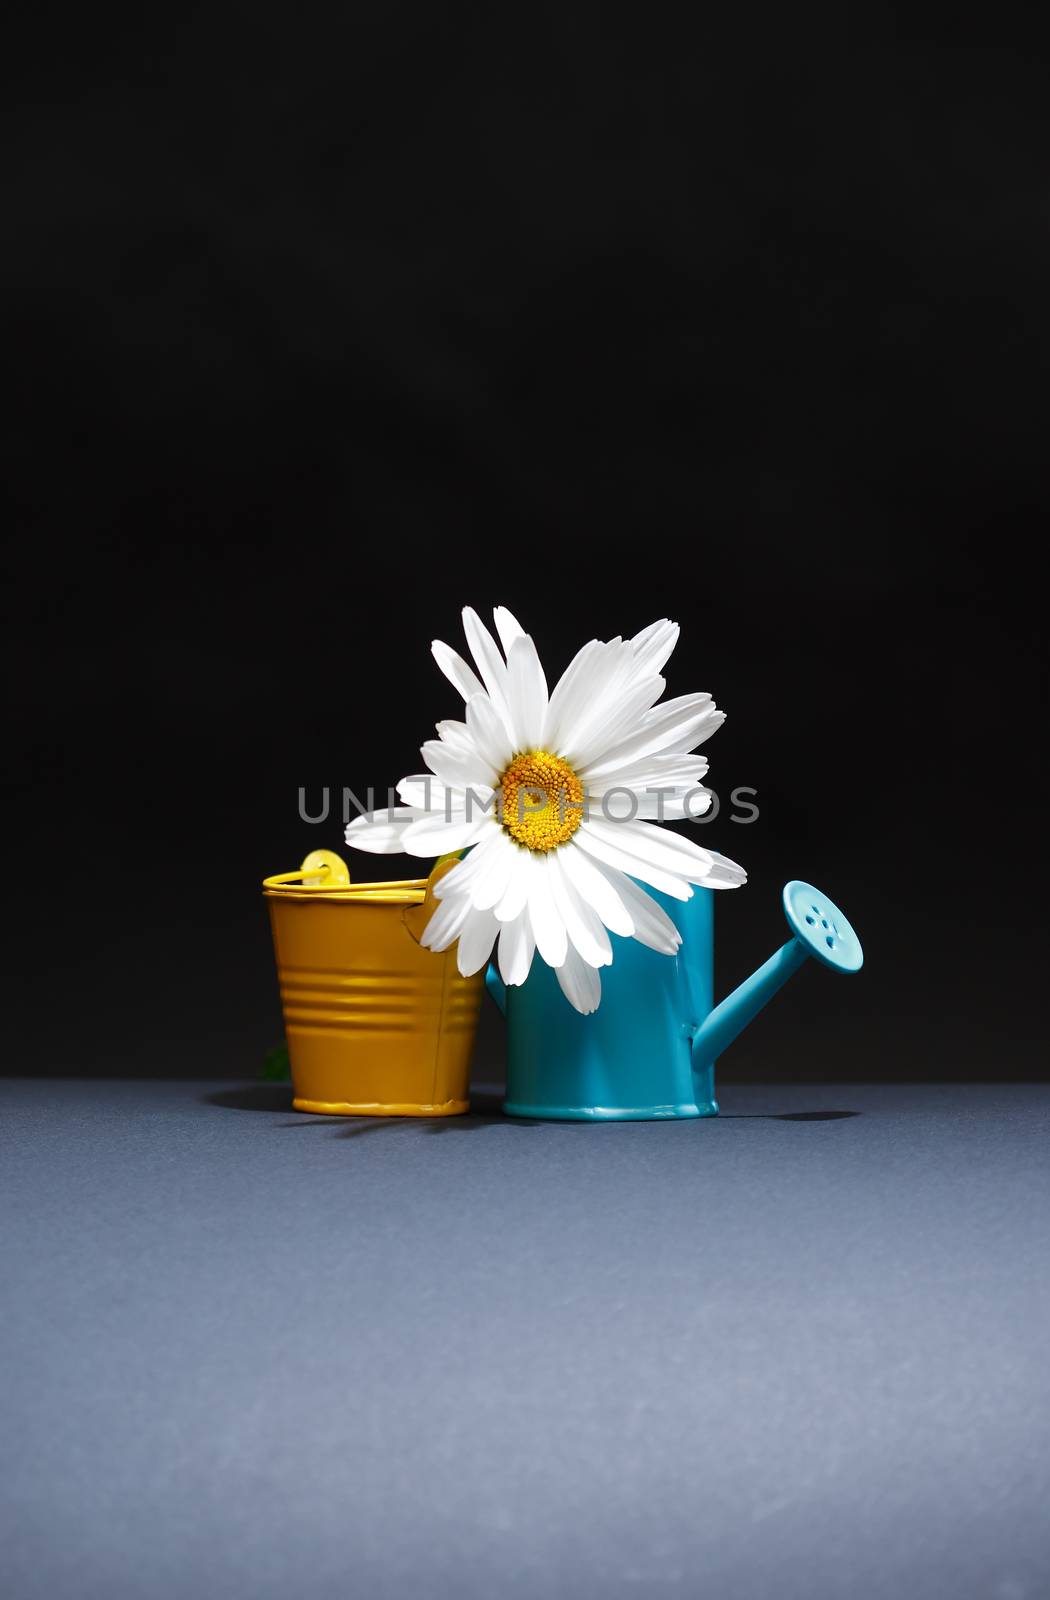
(322, 325)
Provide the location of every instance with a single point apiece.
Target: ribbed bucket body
(376, 1025)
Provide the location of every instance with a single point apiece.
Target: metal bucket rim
(392, 892)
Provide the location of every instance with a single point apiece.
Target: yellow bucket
(376, 1025)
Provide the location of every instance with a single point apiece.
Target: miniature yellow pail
(376, 1025)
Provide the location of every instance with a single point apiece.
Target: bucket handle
(279, 878)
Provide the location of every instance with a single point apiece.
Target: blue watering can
(650, 1048)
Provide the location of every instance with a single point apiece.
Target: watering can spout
(818, 929)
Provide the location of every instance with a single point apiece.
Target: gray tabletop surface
(801, 1350)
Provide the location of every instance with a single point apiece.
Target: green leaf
(276, 1066)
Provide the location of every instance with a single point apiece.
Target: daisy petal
(684, 723)
(476, 941)
(659, 846)
(670, 852)
(488, 733)
(652, 772)
(377, 832)
(580, 983)
(675, 852)
(570, 691)
(652, 926)
(508, 627)
(458, 739)
(581, 923)
(602, 732)
(457, 881)
(613, 855)
(597, 889)
(446, 924)
(458, 768)
(433, 836)
(497, 860)
(516, 949)
(598, 697)
(456, 670)
(526, 694)
(489, 663)
(663, 807)
(654, 645)
(724, 874)
(516, 895)
(423, 792)
(547, 925)
(456, 735)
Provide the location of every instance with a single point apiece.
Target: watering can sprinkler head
(821, 928)
(818, 929)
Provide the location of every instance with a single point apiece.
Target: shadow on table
(786, 1116)
(485, 1111)
(253, 1097)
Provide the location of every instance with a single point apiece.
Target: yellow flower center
(540, 799)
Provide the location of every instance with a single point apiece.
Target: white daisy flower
(555, 796)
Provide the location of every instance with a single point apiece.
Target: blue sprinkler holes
(821, 928)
